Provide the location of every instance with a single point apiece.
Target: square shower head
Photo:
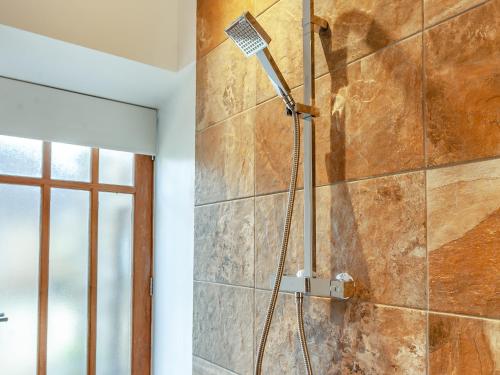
(248, 35)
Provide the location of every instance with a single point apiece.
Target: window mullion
(44, 263)
(92, 300)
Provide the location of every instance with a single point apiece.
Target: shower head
(251, 38)
(248, 35)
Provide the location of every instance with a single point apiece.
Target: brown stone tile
(223, 326)
(224, 242)
(273, 148)
(459, 345)
(371, 116)
(463, 87)
(225, 160)
(373, 229)
(270, 213)
(202, 367)
(343, 338)
(371, 122)
(438, 10)
(213, 16)
(262, 5)
(362, 27)
(225, 84)
(464, 238)
(283, 23)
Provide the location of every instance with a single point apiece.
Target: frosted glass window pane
(68, 282)
(114, 284)
(70, 162)
(19, 254)
(20, 156)
(116, 167)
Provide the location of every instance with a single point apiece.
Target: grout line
(424, 144)
(352, 62)
(317, 77)
(224, 201)
(360, 179)
(372, 53)
(395, 306)
(266, 9)
(438, 23)
(464, 316)
(198, 58)
(394, 43)
(214, 364)
(437, 312)
(240, 113)
(222, 283)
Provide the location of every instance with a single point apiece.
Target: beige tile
(225, 84)
(463, 87)
(438, 10)
(362, 27)
(371, 116)
(370, 122)
(224, 242)
(223, 326)
(225, 160)
(262, 5)
(373, 229)
(343, 338)
(273, 148)
(213, 16)
(459, 345)
(202, 367)
(270, 213)
(464, 238)
(283, 23)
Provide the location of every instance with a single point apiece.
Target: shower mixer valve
(341, 288)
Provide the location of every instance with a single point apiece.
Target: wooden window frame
(142, 258)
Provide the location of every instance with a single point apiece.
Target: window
(75, 268)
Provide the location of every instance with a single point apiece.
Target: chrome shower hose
(281, 262)
(299, 299)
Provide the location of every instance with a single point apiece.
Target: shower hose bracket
(319, 23)
(341, 288)
(305, 111)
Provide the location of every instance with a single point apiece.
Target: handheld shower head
(248, 35)
(251, 38)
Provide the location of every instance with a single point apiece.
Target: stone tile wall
(407, 188)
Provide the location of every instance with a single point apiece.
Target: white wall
(174, 230)
(174, 210)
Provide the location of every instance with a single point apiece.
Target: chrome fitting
(341, 288)
(319, 23)
(306, 111)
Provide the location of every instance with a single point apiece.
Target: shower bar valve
(341, 288)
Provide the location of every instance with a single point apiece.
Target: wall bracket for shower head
(306, 111)
(319, 23)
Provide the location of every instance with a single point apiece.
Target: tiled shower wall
(407, 176)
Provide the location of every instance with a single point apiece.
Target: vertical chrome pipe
(308, 55)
